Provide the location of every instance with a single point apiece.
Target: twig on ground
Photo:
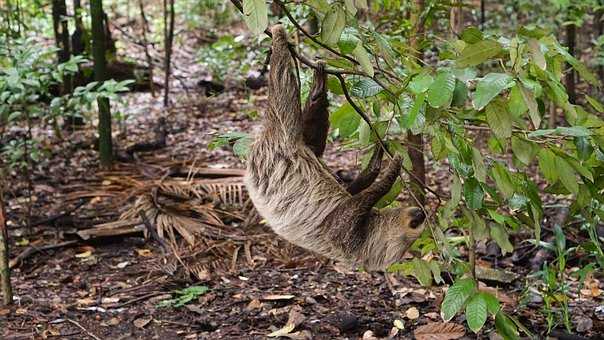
(75, 323)
(34, 249)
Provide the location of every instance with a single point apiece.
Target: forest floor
(119, 287)
(112, 287)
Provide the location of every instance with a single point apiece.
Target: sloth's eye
(417, 217)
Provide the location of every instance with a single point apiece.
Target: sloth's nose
(417, 216)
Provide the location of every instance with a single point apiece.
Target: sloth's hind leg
(367, 198)
(284, 91)
(369, 174)
(315, 115)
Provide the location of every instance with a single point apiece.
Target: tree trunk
(570, 74)
(77, 40)
(61, 31)
(168, 39)
(146, 42)
(599, 21)
(456, 18)
(100, 73)
(416, 142)
(482, 14)
(7, 292)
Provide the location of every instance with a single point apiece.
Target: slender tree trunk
(100, 74)
(61, 31)
(7, 292)
(168, 39)
(416, 142)
(77, 40)
(456, 18)
(570, 75)
(599, 21)
(146, 42)
(482, 14)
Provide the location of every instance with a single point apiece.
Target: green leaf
(420, 83)
(440, 92)
(489, 87)
(471, 35)
(567, 175)
(523, 150)
(456, 297)
(363, 58)
(348, 40)
(333, 25)
(255, 14)
(473, 193)
(547, 165)
(516, 104)
(500, 236)
(350, 7)
(480, 170)
(493, 305)
(365, 88)
(475, 54)
(476, 312)
(531, 103)
(503, 180)
(499, 119)
(595, 104)
(409, 119)
(345, 119)
(460, 94)
(536, 54)
(506, 328)
(422, 272)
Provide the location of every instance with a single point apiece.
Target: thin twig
(83, 329)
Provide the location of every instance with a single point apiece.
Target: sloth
(300, 198)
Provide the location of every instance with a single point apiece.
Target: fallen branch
(31, 250)
(113, 229)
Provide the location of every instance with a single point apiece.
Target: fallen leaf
(50, 332)
(399, 324)
(86, 302)
(300, 335)
(432, 315)
(111, 322)
(4, 312)
(142, 322)
(439, 331)
(583, 324)
(109, 300)
(274, 297)
(368, 335)
(144, 252)
(254, 304)
(294, 320)
(122, 265)
(412, 313)
(85, 254)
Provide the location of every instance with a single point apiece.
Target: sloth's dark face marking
(301, 199)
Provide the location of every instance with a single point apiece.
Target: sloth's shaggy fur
(300, 198)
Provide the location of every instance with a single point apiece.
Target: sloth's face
(413, 220)
(398, 237)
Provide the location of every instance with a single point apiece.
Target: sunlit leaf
(489, 87)
(456, 297)
(475, 54)
(255, 15)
